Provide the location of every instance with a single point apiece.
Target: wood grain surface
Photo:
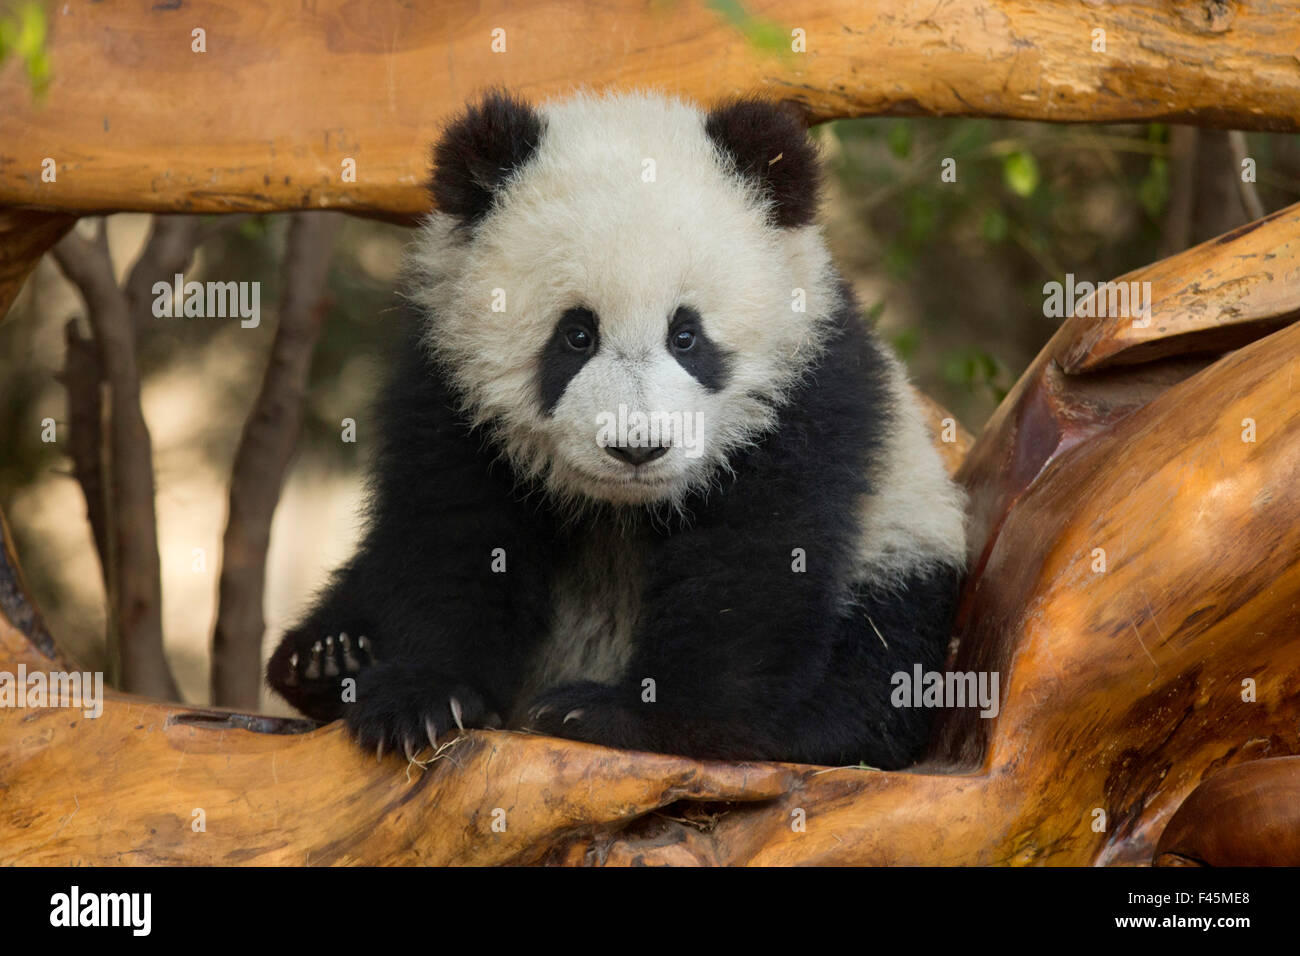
(284, 93)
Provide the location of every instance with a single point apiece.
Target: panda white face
(629, 402)
(626, 311)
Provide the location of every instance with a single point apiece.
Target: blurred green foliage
(963, 263)
(1020, 173)
(22, 34)
(763, 34)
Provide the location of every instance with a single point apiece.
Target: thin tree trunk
(262, 460)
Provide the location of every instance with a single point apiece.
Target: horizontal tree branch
(279, 131)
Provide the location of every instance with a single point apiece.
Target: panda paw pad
(327, 661)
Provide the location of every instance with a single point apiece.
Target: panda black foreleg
(313, 661)
(449, 587)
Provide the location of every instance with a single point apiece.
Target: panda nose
(637, 454)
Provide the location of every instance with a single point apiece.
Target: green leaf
(994, 226)
(966, 135)
(900, 139)
(255, 228)
(23, 34)
(921, 217)
(31, 31)
(899, 260)
(975, 369)
(906, 343)
(38, 72)
(763, 34)
(1153, 191)
(955, 369)
(1020, 172)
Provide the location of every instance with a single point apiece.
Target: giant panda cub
(644, 478)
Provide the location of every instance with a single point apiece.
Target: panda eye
(578, 338)
(683, 339)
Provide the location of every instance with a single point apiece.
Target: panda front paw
(309, 671)
(399, 708)
(590, 712)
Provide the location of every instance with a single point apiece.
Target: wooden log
(264, 118)
(948, 435)
(267, 795)
(1198, 305)
(1220, 294)
(1248, 815)
(25, 236)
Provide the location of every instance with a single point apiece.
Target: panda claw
(572, 715)
(350, 662)
(432, 731)
(363, 645)
(291, 678)
(456, 713)
(409, 746)
(331, 665)
(313, 666)
(379, 750)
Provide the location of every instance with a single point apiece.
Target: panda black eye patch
(570, 346)
(695, 351)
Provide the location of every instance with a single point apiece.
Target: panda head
(623, 288)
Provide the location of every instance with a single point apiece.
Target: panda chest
(595, 605)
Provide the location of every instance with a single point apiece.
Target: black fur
(479, 151)
(421, 587)
(559, 362)
(750, 659)
(704, 360)
(767, 143)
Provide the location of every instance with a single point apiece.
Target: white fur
(916, 517)
(583, 228)
(595, 610)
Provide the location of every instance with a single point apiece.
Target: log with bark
(1135, 583)
(280, 98)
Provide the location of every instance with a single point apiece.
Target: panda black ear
(767, 143)
(478, 152)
